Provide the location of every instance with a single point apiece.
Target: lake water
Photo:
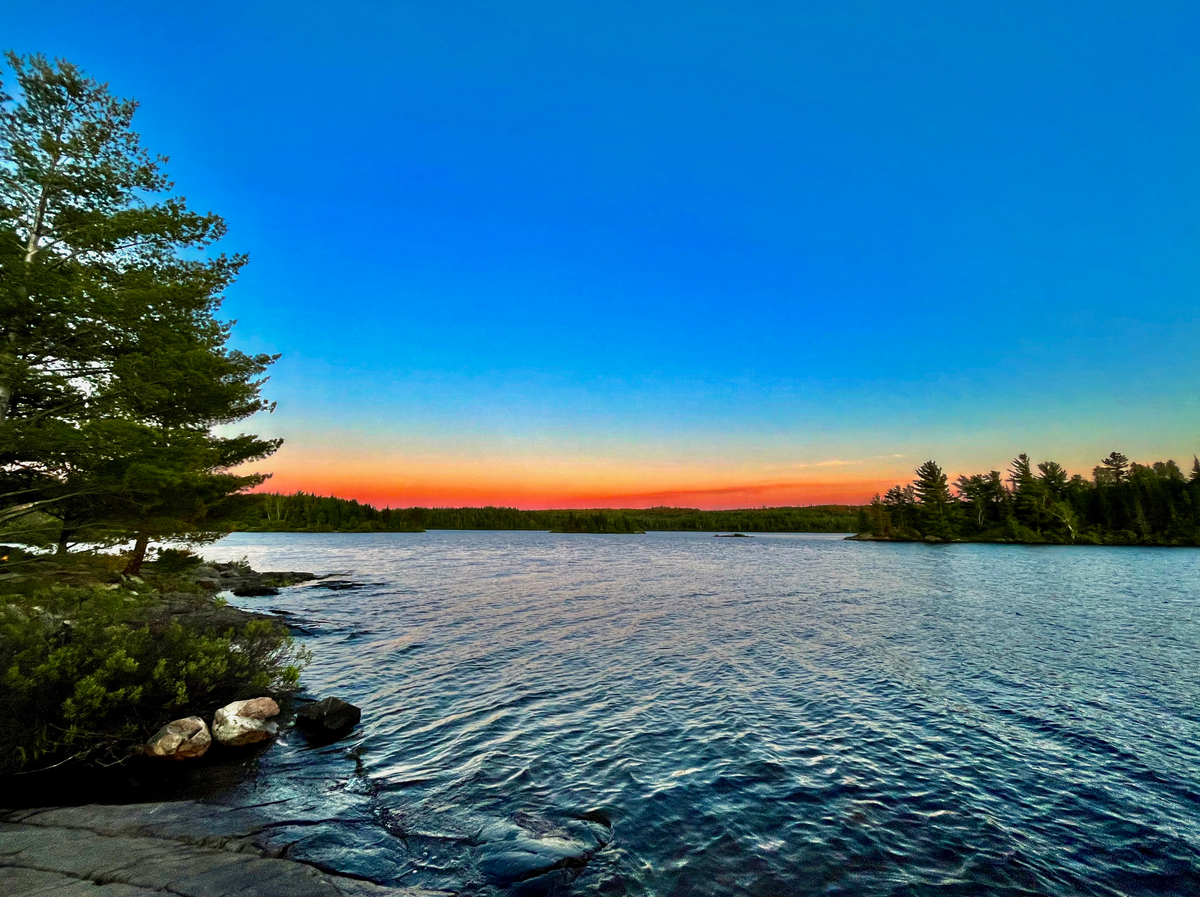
(773, 715)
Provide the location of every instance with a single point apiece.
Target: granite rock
(245, 722)
(184, 849)
(181, 739)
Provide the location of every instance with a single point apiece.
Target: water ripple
(782, 715)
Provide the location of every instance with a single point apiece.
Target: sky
(710, 254)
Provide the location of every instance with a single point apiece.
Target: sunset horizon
(541, 485)
(695, 260)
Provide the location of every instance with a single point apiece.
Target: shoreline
(187, 848)
(1029, 543)
(144, 778)
(195, 826)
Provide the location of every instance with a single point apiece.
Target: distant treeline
(303, 512)
(1123, 503)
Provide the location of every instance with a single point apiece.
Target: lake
(783, 714)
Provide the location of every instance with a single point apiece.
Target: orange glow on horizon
(536, 485)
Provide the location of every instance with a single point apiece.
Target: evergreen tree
(901, 503)
(113, 365)
(931, 488)
(1028, 492)
(933, 494)
(987, 496)
(1118, 465)
(1168, 470)
(880, 520)
(1053, 478)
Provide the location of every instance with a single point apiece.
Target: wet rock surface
(537, 855)
(183, 848)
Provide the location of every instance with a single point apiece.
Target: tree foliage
(272, 512)
(1124, 503)
(114, 366)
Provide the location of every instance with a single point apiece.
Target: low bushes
(88, 672)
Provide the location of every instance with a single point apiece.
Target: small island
(1122, 503)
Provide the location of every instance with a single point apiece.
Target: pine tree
(113, 365)
(986, 494)
(1053, 477)
(1118, 464)
(930, 485)
(1028, 492)
(880, 520)
(933, 493)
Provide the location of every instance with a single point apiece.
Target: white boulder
(180, 739)
(245, 722)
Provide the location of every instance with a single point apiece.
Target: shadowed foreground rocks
(183, 848)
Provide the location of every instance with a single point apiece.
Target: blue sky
(543, 253)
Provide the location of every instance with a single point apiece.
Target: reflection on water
(776, 715)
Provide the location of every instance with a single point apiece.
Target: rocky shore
(186, 847)
(183, 848)
(244, 582)
(293, 814)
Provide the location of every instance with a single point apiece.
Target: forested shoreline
(1122, 503)
(305, 512)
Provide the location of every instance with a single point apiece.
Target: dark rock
(339, 585)
(198, 612)
(328, 718)
(255, 591)
(244, 582)
(285, 578)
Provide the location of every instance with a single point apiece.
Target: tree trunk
(32, 248)
(8, 361)
(134, 567)
(64, 537)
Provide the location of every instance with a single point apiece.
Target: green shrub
(174, 561)
(84, 676)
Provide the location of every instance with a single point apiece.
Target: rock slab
(181, 739)
(245, 722)
(125, 852)
(536, 856)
